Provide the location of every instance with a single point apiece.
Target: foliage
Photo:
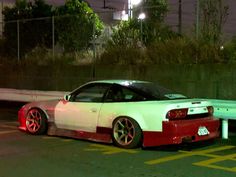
(214, 15)
(32, 33)
(123, 55)
(229, 51)
(75, 26)
(155, 10)
(178, 50)
(125, 34)
(136, 32)
(175, 50)
(78, 26)
(153, 27)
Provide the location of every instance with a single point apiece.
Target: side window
(92, 93)
(122, 94)
(131, 95)
(115, 94)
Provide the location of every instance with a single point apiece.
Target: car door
(82, 110)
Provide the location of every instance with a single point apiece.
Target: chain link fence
(49, 37)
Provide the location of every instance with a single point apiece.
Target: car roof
(119, 81)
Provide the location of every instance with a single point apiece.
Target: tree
(214, 15)
(31, 32)
(148, 30)
(76, 25)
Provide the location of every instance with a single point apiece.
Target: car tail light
(210, 110)
(177, 114)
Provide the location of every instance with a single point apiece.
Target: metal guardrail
(223, 109)
(29, 95)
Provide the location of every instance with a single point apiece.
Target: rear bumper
(177, 132)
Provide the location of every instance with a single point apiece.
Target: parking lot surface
(25, 155)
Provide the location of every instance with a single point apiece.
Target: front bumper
(21, 119)
(179, 131)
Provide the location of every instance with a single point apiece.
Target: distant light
(135, 2)
(222, 47)
(142, 16)
(123, 12)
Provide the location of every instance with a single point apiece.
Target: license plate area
(202, 131)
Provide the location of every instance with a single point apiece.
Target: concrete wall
(206, 81)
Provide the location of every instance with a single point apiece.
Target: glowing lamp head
(142, 16)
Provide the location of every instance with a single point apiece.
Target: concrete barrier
(29, 95)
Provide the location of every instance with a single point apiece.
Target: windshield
(156, 92)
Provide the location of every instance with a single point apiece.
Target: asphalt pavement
(25, 155)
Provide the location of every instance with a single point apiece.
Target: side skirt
(98, 136)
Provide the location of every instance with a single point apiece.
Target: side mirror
(67, 97)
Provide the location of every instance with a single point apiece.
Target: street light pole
(131, 3)
(180, 17)
(141, 17)
(1, 17)
(197, 18)
(130, 9)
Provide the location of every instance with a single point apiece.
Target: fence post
(94, 49)
(197, 18)
(18, 40)
(53, 37)
(180, 17)
(2, 19)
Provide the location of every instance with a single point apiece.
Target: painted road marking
(211, 163)
(7, 132)
(8, 126)
(12, 128)
(108, 150)
(187, 154)
(12, 123)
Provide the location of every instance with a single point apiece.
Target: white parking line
(8, 132)
(8, 126)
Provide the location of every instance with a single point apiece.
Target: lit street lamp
(141, 17)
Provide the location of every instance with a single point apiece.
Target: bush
(228, 51)
(123, 55)
(175, 50)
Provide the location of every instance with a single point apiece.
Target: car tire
(126, 133)
(36, 122)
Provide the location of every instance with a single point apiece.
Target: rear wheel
(36, 122)
(126, 133)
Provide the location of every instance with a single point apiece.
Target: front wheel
(126, 133)
(36, 122)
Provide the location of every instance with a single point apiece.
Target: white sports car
(127, 113)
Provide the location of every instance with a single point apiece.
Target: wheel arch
(137, 139)
(40, 109)
(137, 117)
(36, 125)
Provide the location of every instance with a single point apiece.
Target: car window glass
(156, 92)
(122, 94)
(93, 93)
